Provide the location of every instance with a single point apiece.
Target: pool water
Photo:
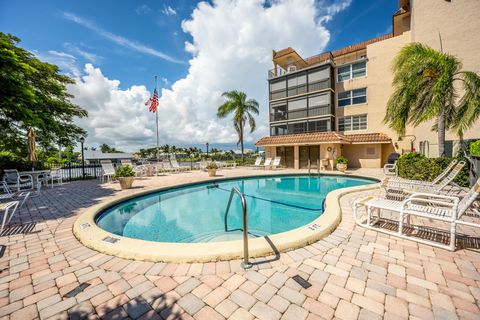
(195, 213)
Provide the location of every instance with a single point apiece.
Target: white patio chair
(425, 205)
(276, 163)
(178, 167)
(446, 171)
(167, 167)
(13, 179)
(401, 189)
(9, 195)
(267, 163)
(108, 171)
(390, 169)
(258, 163)
(8, 209)
(55, 175)
(203, 165)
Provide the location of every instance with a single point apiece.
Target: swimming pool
(195, 213)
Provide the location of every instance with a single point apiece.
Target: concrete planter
(126, 182)
(212, 172)
(342, 167)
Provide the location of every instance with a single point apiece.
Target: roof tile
(323, 137)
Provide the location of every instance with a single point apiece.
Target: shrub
(475, 148)
(341, 160)
(124, 171)
(418, 167)
(212, 165)
(9, 160)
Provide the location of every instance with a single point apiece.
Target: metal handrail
(318, 167)
(309, 167)
(245, 264)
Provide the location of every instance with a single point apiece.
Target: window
(278, 111)
(351, 71)
(357, 122)
(297, 84)
(278, 89)
(297, 127)
(319, 79)
(297, 109)
(348, 98)
(319, 126)
(319, 105)
(278, 130)
(370, 151)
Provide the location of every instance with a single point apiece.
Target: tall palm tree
(428, 84)
(243, 110)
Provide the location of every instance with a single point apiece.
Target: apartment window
(319, 79)
(352, 71)
(278, 89)
(278, 111)
(319, 105)
(352, 97)
(319, 125)
(297, 109)
(278, 130)
(352, 123)
(297, 84)
(297, 127)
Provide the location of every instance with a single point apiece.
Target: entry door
(309, 152)
(287, 156)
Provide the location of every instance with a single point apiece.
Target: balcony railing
(300, 64)
(302, 113)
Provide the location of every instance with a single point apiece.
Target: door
(311, 153)
(286, 153)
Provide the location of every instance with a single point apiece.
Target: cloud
(168, 11)
(90, 57)
(328, 10)
(231, 48)
(143, 9)
(66, 62)
(119, 40)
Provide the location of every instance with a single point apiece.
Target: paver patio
(354, 273)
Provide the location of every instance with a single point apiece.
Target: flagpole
(156, 120)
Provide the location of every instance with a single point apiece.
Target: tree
(105, 148)
(429, 84)
(33, 95)
(243, 111)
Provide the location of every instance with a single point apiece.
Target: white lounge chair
(442, 175)
(390, 169)
(108, 171)
(258, 163)
(176, 166)
(167, 167)
(203, 165)
(267, 163)
(14, 180)
(276, 163)
(425, 205)
(8, 209)
(403, 188)
(9, 195)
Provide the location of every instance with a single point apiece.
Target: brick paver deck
(354, 273)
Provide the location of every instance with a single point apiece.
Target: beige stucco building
(334, 103)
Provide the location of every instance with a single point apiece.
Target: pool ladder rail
(318, 167)
(245, 264)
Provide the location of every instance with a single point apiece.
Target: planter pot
(212, 172)
(126, 182)
(341, 167)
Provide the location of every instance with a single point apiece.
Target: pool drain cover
(304, 283)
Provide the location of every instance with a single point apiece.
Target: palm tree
(242, 110)
(428, 84)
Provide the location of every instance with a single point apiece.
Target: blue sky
(130, 41)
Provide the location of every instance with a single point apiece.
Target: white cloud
(90, 57)
(231, 48)
(168, 11)
(143, 9)
(66, 62)
(119, 40)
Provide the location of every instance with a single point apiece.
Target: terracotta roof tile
(323, 137)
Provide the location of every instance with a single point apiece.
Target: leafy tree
(33, 95)
(105, 148)
(429, 84)
(243, 110)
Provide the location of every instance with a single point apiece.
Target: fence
(75, 171)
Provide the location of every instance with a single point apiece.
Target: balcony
(292, 67)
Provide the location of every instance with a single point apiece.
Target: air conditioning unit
(291, 69)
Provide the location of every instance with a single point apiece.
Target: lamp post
(207, 148)
(82, 141)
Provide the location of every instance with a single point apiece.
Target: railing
(301, 64)
(74, 171)
(245, 264)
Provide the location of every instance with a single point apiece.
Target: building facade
(334, 103)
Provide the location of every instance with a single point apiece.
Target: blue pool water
(196, 213)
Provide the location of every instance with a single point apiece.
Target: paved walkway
(354, 273)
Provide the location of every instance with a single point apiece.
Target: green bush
(124, 171)
(418, 167)
(341, 160)
(9, 160)
(475, 148)
(212, 165)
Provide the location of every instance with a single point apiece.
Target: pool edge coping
(171, 252)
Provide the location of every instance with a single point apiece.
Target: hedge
(418, 167)
(10, 161)
(475, 148)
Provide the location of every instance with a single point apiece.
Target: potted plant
(125, 176)
(341, 163)
(212, 169)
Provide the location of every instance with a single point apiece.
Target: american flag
(153, 102)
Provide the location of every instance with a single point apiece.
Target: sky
(113, 50)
